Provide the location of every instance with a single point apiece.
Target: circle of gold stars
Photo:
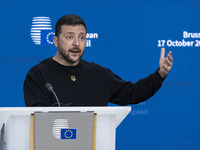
(50, 33)
(71, 134)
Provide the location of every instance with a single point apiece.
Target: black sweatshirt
(86, 84)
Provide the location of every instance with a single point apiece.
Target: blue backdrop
(125, 36)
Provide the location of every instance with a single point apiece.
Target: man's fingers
(168, 61)
(167, 68)
(162, 53)
(170, 56)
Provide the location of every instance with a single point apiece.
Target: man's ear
(55, 41)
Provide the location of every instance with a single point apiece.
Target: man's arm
(145, 88)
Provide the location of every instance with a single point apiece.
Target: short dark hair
(68, 20)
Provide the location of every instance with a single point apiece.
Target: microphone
(49, 87)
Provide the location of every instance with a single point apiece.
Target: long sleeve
(34, 91)
(129, 93)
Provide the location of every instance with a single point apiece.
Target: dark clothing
(94, 85)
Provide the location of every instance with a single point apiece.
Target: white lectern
(17, 123)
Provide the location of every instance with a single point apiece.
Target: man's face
(71, 43)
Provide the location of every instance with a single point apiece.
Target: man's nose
(76, 42)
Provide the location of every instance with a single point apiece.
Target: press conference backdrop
(125, 36)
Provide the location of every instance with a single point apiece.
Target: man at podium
(67, 80)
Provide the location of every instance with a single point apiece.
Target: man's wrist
(161, 73)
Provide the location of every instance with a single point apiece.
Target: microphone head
(48, 86)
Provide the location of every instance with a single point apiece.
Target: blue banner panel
(125, 36)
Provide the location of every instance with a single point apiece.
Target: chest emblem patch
(73, 78)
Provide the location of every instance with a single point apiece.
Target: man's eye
(82, 38)
(69, 37)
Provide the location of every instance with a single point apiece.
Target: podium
(18, 126)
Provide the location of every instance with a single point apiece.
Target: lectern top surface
(120, 112)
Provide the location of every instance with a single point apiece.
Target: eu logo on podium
(68, 134)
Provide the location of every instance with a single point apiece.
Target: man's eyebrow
(69, 33)
(74, 33)
(83, 33)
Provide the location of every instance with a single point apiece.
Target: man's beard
(67, 57)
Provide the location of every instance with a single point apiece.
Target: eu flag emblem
(47, 37)
(68, 134)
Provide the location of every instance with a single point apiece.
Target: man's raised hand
(165, 64)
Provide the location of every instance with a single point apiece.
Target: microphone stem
(56, 97)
